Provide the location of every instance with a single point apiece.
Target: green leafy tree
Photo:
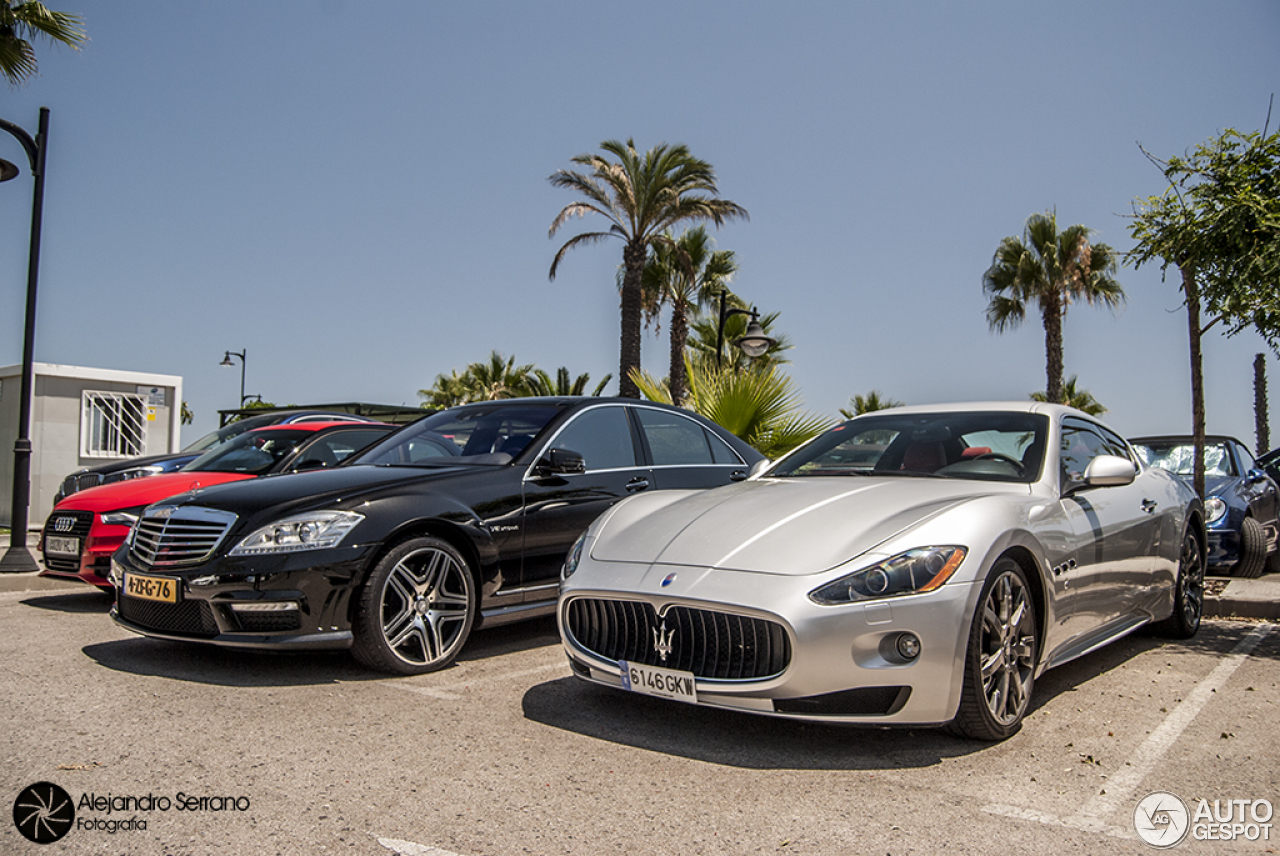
(1072, 396)
(1218, 223)
(868, 403)
(641, 197)
(540, 383)
(1049, 269)
(687, 275)
(20, 22)
(760, 405)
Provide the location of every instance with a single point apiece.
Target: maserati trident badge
(662, 640)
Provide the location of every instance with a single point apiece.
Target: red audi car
(87, 527)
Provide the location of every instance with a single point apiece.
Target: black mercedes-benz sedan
(460, 519)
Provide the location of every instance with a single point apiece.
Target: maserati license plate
(655, 681)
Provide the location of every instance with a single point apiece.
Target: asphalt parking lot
(505, 753)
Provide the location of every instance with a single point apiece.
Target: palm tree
(868, 403)
(641, 197)
(26, 19)
(760, 405)
(540, 383)
(1050, 269)
(1080, 399)
(498, 378)
(688, 275)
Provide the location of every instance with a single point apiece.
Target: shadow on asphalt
(206, 664)
(88, 600)
(760, 742)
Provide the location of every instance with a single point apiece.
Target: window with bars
(112, 424)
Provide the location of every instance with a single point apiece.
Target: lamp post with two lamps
(17, 559)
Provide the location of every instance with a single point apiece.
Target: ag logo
(43, 812)
(1161, 819)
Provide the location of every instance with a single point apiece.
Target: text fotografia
(111, 803)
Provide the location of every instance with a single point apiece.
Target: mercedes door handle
(637, 484)
(1149, 506)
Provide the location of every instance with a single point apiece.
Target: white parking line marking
(408, 848)
(1121, 786)
(449, 692)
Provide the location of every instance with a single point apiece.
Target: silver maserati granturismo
(920, 565)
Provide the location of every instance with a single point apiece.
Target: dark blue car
(1241, 500)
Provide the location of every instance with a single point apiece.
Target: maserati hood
(793, 526)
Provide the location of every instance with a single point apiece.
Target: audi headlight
(121, 517)
(572, 560)
(911, 572)
(315, 530)
(1215, 508)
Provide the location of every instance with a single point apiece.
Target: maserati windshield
(991, 446)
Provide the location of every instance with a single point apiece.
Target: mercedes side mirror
(561, 462)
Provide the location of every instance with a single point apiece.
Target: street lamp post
(18, 558)
(226, 361)
(754, 343)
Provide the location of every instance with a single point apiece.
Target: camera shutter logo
(1161, 819)
(44, 812)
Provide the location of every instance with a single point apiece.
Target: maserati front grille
(710, 644)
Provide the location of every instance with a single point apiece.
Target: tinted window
(673, 439)
(1080, 445)
(332, 449)
(995, 446)
(602, 436)
(721, 451)
(489, 434)
(253, 452)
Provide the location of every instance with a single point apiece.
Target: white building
(82, 417)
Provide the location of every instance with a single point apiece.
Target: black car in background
(1241, 501)
(154, 465)
(461, 519)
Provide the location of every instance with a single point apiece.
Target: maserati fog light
(909, 646)
(265, 606)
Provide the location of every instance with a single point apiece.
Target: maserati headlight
(575, 556)
(315, 530)
(1215, 508)
(906, 573)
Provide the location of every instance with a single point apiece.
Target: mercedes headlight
(1215, 508)
(315, 530)
(912, 572)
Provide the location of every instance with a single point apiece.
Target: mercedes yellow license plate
(163, 589)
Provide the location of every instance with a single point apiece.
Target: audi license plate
(60, 545)
(654, 681)
(163, 589)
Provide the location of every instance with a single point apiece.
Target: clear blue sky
(356, 193)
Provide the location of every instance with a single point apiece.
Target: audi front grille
(710, 644)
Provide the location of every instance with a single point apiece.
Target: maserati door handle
(637, 484)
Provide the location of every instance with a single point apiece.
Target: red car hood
(143, 491)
